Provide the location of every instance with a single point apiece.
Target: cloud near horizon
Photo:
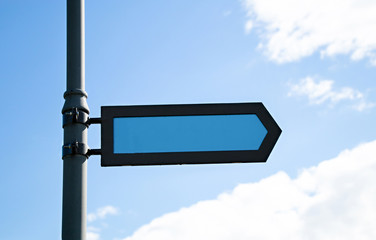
(294, 29)
(334, 200)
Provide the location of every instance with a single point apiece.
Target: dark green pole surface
(75, 163)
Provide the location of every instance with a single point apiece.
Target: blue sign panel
(187, 134)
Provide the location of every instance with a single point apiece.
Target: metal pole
(75, 111)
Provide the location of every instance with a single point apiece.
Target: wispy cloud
(322, 91)
(293, 29)
(248, 27)
(334, 200)
(102, 213)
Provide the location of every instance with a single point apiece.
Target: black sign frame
(108, 113)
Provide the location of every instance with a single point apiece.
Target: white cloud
(293, 29)
(92, 236)
(102, 213)
(334, 200)
(321, 91)
(93, 233)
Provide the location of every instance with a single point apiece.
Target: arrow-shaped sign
(187, 134)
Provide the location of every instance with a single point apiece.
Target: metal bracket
(94, 152)
(94, 121)
(75, 148)
(79, 148)
(75, 116)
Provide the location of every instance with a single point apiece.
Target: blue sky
(312, 65)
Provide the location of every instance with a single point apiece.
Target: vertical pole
(75, 133)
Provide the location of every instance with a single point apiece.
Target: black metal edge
(180, 109)
(180, 158)
(107, 141)
(273, 132)
(108, 158)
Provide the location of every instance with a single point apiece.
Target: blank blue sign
(194, 133)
